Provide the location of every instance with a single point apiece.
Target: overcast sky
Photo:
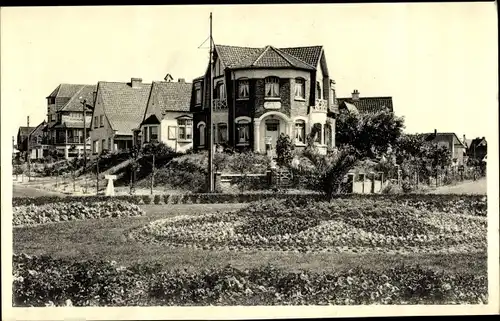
(437, 61)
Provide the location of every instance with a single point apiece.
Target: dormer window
(243, 88)
(300, 88)
(272, 87)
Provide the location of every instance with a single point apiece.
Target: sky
(437, 60)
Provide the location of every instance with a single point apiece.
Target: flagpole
(210, 129)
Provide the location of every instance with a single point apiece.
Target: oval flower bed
(56, 212)
(346, 225)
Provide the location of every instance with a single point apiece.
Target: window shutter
(172, 132)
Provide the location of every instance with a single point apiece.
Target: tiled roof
(169, 96)
(269, 56)
(87, 93)
(309, 55)
(65, 90)
(124, 106)
(477, 142)
(366, 105)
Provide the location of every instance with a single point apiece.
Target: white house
(168, 118)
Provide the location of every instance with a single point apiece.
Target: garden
(295, 250)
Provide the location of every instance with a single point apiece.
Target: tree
(284, 150)
(369, 134)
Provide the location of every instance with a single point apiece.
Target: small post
(97, 176)
(153, 174)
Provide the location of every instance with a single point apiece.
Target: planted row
(452, 203)
(69, 211)
(40, 281)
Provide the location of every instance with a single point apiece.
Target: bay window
(300, 88)
(243, 88)
(185, 129)
(220, 92)
(272, 87)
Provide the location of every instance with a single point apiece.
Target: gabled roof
(366, 105)
(168, 97)
(477, 142)
(87, 93)
(269, 57)
(25, 131)
(123, 105)
(432, 136)
(65, 91)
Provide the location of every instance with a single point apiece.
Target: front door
(272, 134)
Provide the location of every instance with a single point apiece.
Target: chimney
(182, 80)
(355, 95)
(435, 131)
(135, 82)
(464, 139)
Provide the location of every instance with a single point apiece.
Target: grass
(105, 239)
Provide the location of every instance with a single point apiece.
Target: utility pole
(84, 105)
(28, 149)
(210, 120)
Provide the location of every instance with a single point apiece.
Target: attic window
(198, 93)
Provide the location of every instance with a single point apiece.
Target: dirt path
(27, 191)
(470, 187)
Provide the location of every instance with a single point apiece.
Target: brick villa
(259, 93)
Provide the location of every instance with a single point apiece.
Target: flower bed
(76, 210)
(452, 203)
(41, 281)
(341, 225)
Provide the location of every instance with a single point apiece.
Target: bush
(146, 199)
(157, 199)
(39, 281)
(67, 211)
(284, 150)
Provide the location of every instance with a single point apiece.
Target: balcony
(321, 106)
(65, 141)
(220, 104)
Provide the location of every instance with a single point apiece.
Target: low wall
(230, 182)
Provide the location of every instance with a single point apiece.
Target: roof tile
(366, 105)
(169, 96)
(124, 106)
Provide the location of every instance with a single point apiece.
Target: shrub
(284, 150)
(157, 199)
(146, 199)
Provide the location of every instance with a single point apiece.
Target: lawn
(468, 187)
(107, 239)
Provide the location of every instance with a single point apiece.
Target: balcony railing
(220, 104)
(321, 105)
(64, 140)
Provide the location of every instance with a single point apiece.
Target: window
(201, 129)
(318, 129)
(109, 144)
(172, 132)
(101, 121)
(59, 117)
(328, 135)
(150, 134)
(300, 132)
(222, 132)
(220, 93)
(300, 85)
(96, 121)
(272, 87)
(198, 93)
(103, 143)
(95, 146)
(318, 91)
(153, 133)
(51, 101)
(185, 129)
(243, 88)
(243, 129)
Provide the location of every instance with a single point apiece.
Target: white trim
(273, 113)
(238, 119)
(305, 119)
(201, 123)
